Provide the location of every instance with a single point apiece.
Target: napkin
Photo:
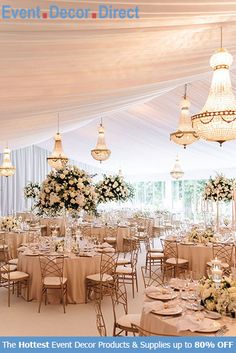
(106, 245)
(157, 305)
(189, 322)
(153, 289)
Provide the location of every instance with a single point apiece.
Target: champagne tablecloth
(14, 240)
(75, 269)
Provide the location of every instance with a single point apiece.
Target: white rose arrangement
(201, 236)
(31, 190)
(69, 189)
(218, 189)
(221, 299)
(9, 223)
(114, 188)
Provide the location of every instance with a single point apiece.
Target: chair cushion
(13, 261)
(123, 270)
(127, 320)
(110, 239)
(174, 261)
(16, 276)
(123, 261)
(156, 255)
(97, 277)
(54, 281)
(156, 250)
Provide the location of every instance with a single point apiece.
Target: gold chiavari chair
(9, 278)
(124, 322)
(100, 322)
(173, 265)
(52, 277)
(100, 283)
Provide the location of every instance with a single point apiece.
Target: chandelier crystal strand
(58, 159)
(185, 135)
(177, 172)
(7, 169)
(217, 119)
(101, 152)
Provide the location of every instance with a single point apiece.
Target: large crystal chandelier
(177, 172)
(58, 159)
(217, 119)
(7, 169)
(101, 152)
(185, 135)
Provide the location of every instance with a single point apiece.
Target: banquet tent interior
(131, 73)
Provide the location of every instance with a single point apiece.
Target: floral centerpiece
(218, 189)
(9, 223)
(31, 190)
(114, 188)
(220, 298)
(59, 245)
(201, 236)
(69, 189)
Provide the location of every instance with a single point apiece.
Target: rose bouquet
(31, 190)
(114, 188)
(69, 189)
(9, 223)
(218, 189)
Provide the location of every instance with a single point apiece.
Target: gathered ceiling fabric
(131, 72)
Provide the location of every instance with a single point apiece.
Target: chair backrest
(51, 266)
(152, 276)
(4, 249)
(134, 258)
(108, 263)
(170, 248)
(223, 252)
(129, 244)
(4, 270)
(119, 297)
(111, 231)
(100, 322)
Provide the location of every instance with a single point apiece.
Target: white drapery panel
(90, 67)
(31, 165)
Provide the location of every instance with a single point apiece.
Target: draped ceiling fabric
(131, 72)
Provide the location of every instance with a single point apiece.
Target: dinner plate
(212, 315)
(194, 307)
(211, 326)
(169, 311)
(161, 296)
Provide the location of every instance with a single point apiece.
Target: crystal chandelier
(101, 152)
(185, 135)
(217, 119)
(177, 172)
(58, 159)
(7, 169)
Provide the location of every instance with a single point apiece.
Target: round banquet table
(14, 240)
(197, 255)
(75, 270)
(166, 326)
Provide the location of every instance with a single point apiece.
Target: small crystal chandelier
(7, 169)
(217, 119)
(101, 152)
(177, 172)
(58, 159)
(185, 135)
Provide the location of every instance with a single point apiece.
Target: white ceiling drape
(130, 71)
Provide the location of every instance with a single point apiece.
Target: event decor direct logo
(56, 12)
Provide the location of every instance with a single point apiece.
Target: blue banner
(121, 344)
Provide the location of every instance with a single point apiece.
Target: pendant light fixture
(101, 152)
(7, 169)
(185, 135)
(177, 172)
(58, 159)
(217, 119)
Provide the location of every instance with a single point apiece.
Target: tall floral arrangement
(31, 190)
(219, 188)
(114, 188)
(68, 189)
